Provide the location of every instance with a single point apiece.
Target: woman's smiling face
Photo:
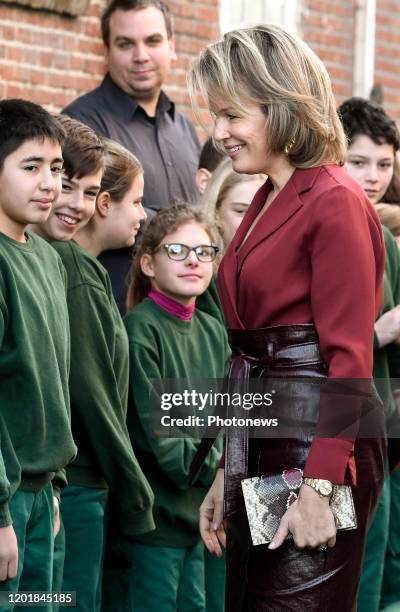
(243, 135)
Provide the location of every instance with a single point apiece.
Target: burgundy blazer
(316, 255)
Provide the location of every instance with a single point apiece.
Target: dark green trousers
(167, 579)
(83, 515)
(391, 576)
(33, 521)
(58, 562)
(214, 573)
(369, 594)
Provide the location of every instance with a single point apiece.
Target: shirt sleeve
(5, 516)
(173, 455)
(97, 404)
(346, 252)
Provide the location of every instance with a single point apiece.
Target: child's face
(234, 206)
(183, 280)
(73, 208)
(371, 165)
(125, 217)
(30, 182)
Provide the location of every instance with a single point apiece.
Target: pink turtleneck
(172, 306)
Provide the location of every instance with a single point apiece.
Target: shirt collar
(126, 105)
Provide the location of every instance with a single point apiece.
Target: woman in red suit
(300, 286)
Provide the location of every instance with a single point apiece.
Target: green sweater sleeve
(173, 455)
(97, 403)
(5, 516)
(393, 349)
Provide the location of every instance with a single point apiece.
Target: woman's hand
(211, 516)
(309, 519)
(387, 327)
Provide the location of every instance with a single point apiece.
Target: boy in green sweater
(373, 141)
(35, 435)
(97, 205)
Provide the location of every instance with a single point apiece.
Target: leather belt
(257, 353)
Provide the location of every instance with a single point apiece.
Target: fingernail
(215, 526)
(272, 546)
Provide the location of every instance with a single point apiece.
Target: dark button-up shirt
(167, 146)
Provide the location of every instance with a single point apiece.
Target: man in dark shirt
(130, 107)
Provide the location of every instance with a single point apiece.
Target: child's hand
(8, 553)
(56, 516)
(387, 327)
(211, 516)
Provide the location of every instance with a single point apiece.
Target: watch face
(325, 487)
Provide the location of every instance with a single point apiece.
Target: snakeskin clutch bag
(268, 497)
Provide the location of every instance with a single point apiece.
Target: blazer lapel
(286, 204)
(228, 269)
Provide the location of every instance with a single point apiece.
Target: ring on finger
(322, 547)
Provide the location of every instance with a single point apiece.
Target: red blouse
(316, 255)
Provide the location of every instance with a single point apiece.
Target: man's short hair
(82, 150)
(363, 118)
(20, 121)
(134, 5)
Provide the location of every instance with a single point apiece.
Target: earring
(289, 146)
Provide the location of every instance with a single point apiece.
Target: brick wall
(328, 27)
(387, 54)
(48, 58)
(51, 59)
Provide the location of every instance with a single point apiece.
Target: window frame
(71, 8)
(290, 13)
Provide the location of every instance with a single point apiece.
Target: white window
(244, 13)
(364, 48)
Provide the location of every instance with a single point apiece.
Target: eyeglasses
(180, 252)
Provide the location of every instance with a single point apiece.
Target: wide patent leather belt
(271, 351)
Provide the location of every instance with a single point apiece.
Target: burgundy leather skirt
(260, 580)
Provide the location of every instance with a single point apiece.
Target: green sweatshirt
(387, 357)
(98, 386)
(163, 346)
(35, 433)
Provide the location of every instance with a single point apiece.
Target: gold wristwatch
(324, 488)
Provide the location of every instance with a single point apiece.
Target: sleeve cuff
(56, 491)
(59, 482)
(332, 459)
(144, 523)
(5, 516)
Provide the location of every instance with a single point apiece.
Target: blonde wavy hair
(279, 72)
(223, 179)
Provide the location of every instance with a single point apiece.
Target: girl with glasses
(170, 338)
